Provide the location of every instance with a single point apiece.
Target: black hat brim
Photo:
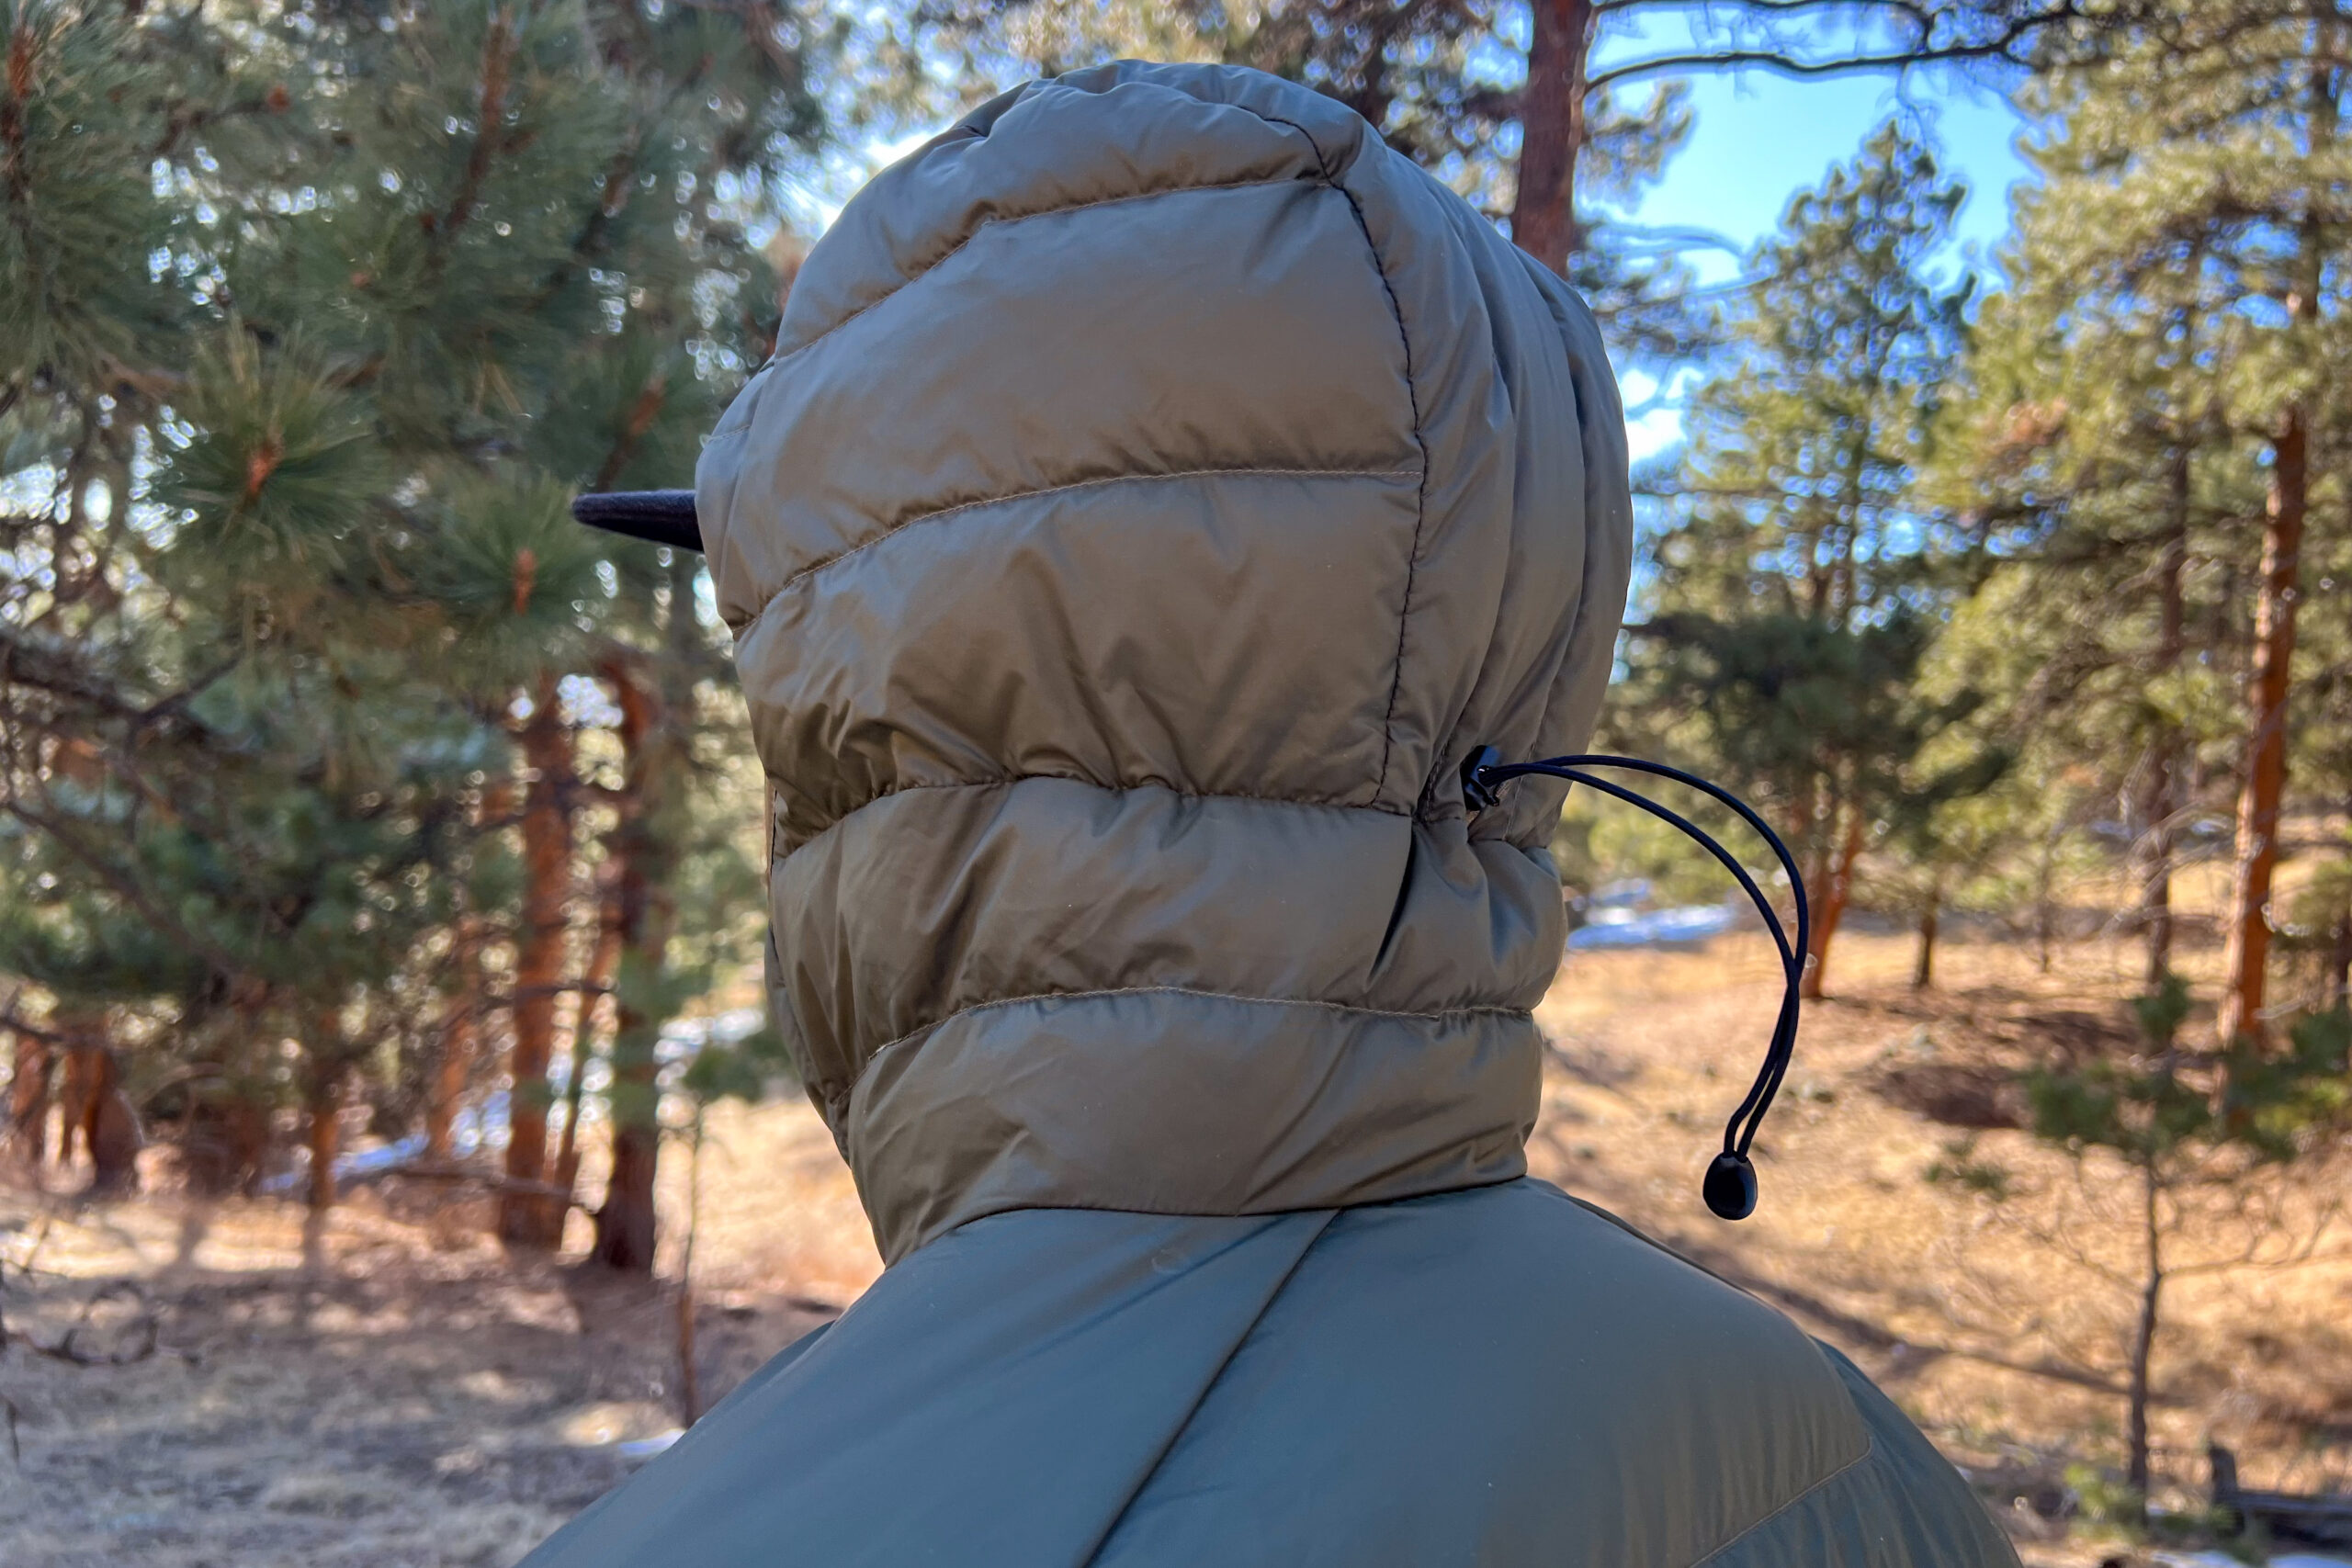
(657, 516)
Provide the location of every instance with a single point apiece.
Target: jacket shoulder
(1902, 1505)
(1504, 1375)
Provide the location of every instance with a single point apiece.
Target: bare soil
(377, 1388)
(383, 1388)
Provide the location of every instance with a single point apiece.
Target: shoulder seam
(1869, 1447)
(1176, 1433)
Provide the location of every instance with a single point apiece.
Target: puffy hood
(1159, 486)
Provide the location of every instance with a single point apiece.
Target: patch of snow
(2221, 1560)
(645, 1447)
(1656, 927)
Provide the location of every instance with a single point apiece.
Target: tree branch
(2003, 46)
(125, 888)
(497, 61)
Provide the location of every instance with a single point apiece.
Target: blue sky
(1758, 138)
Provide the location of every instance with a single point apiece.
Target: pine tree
(1796, 585)
(2196, 193)
(2089, 449)
(2188, 1125)
(1566, 96)
(326, 311)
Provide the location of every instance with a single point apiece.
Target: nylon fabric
(1496, 1377)
(1366, 1106)
(932, 1422)
(1900, 1506)
(1720, 1410)
(1156, 490)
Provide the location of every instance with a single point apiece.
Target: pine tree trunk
(95, 1106)
(603, 965)
(1923, 968)
(1821, 821)
(2154, 870)
(454, 1068)
(526, 1217)
(2160, 802)
(28, 1102)
(2246, 956)
(462, 1039)
(1829, 904)
(246, 1121)
(625, 1224)
(2143, 1337)
(112, 1132)
(2045, 902)
(323, 1134)
(246, 1111)
(1552, 131)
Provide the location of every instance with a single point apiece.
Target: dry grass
(385, 1390)
(1985, 1318)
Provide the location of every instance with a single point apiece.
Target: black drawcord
(1730, 1185)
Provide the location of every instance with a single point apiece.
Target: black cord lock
(1476, 793)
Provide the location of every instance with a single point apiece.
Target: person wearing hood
(1159, 491)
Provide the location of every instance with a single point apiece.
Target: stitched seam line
(1870, 1445)
(1007, 781)
(1176, 1433)
(962, 506)
(980, 228)
(1559, 682)
(842, 1105)
(1421, 498)
(1412, 401)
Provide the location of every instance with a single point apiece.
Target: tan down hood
(1158, 488)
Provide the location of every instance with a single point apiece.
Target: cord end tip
(1730, 1186)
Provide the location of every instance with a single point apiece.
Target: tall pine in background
(1794, 584)
(2213, 148)
(2161, 416)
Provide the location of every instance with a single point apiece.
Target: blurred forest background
(376, 842)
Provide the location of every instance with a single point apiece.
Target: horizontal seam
(981, 227)
(1009, 780)
(895, 529)
(1351, 1009)
(1870, 1445)
(1130, 1205)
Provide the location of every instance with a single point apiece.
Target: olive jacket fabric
(1158, 487)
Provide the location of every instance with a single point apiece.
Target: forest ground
(384, 1389)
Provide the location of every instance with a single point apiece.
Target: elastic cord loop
(1736, 1139)
(1730, 1186)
